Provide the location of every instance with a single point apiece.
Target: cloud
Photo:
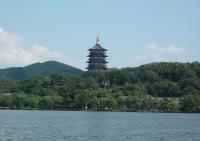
(12, 54)
(1, 29)
(15, 56)
(43, 53)
(9, 39)
(154, 53)
(171, 49)
(168, 53)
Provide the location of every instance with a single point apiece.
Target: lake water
(97, 126)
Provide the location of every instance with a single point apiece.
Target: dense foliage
(38, 69)
(166, 87)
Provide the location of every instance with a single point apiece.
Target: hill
(38, 69)
(164, 87)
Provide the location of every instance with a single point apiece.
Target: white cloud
(9, 39)
(13, 54)
(44, 54)
(10, 53)
(154, 53)
(168, 53)
(1, 29)
(171, 49)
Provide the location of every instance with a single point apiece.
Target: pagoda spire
(97, 40)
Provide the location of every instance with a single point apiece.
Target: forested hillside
(165, 87)
(38, 69)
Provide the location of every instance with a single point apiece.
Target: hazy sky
(135, 32)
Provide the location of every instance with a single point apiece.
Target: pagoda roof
(97, 46)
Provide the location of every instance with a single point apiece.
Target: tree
(190, 103)
(83, 98)
(173, 106)
(32, 101)
(107, 103)
(46, 102)
(19, 101)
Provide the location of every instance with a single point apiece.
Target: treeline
(165, 87)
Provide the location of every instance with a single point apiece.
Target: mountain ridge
(39, 69)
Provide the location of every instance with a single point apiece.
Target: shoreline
(67, 110)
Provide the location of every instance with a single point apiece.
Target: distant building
(97, 58)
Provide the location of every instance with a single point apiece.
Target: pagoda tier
(97, 58)
(97, 54)
(96, 67)
(97, 62)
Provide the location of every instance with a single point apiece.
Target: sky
(135, 32)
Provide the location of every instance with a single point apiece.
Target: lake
(19, 125)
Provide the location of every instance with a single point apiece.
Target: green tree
(19, 101)
(83, 98)
(190, 103)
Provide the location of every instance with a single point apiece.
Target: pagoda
(97, 58)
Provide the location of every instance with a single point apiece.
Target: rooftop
(97, 46)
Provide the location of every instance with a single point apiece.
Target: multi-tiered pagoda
(97, 58)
